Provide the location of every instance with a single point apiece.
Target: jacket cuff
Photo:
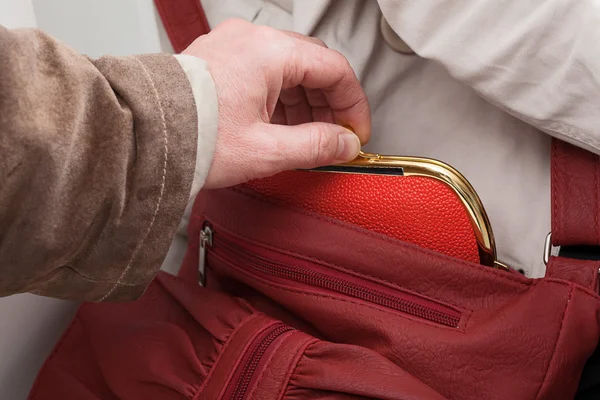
(166, 121)
(207, 109)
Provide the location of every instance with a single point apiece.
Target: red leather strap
(582, 272)
(575, 211)
(575, 196)
(184, 21)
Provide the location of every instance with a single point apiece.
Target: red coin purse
(417, 200)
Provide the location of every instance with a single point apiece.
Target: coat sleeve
(538, 60)
(97, 160)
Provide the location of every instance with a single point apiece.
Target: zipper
(259, 260)
(206, 239)
(246, 369)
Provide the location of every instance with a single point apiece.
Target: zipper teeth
(339, 285)
(245, 371)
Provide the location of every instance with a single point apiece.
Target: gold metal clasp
(430, 168)
(367, 156)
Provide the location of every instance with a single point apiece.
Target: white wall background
(16, 13)
(31, 325)
(98, 27)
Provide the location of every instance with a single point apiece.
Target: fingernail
(348, 146)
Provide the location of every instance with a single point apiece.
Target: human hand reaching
(283, 101)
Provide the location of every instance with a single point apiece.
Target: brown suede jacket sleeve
(97, 159)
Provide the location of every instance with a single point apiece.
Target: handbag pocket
(281, 268)
(269, 359)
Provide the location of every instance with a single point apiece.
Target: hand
(282, 100)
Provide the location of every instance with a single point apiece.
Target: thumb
(313, 144)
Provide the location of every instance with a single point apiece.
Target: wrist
(207, 109)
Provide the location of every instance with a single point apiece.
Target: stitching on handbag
(294, 365)
(233, 335)
(162, 184)
(378, 236)
(577, 286)
(597, 209)
(554, 182)
(594, 273)
(365, 276)
(355, 302)
(226, 344)
(587, 286)
(172, 25)
(238, 361)
(557, 339)
(267, 364)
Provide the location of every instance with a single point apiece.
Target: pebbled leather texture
(418, 210)
(575, 196)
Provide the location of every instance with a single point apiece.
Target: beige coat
(491, 81)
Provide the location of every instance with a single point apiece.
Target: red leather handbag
(301, 305)
(302, 301)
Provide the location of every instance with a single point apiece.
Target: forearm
(96, 167)
(536, 60)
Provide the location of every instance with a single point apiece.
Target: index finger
(318, 67)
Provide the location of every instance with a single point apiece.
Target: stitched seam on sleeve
(162, 184)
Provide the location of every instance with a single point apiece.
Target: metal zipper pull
(206, 239)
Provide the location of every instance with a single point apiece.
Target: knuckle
(320, 42)
(345, 65)
(323, 146)
(271, 42)
(337, 64)
(265, 33)
(342, 62)
(339, 57)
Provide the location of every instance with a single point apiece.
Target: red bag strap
(184, 21)
(575, 196)
(575, 187)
